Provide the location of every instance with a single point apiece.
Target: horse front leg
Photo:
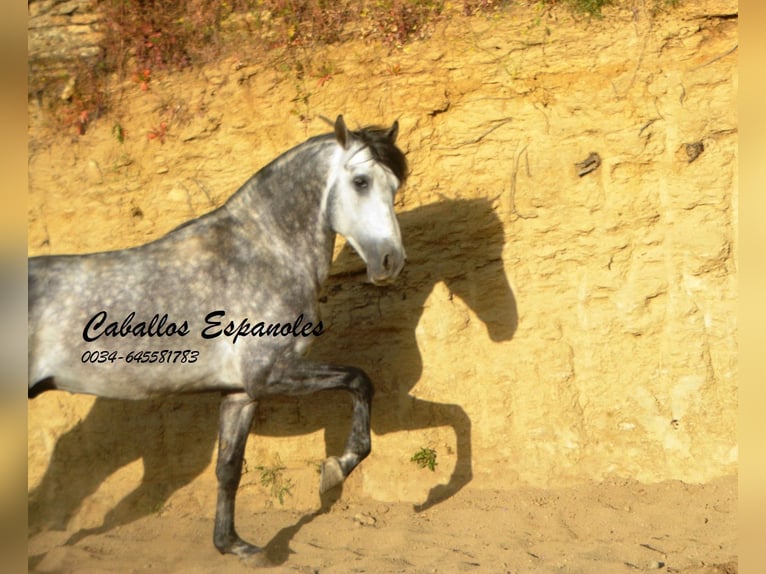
(300, 377)
(359, 444)
(236, 418)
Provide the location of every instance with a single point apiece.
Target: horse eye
(361, 183)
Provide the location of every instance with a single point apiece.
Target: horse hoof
(253, 557)
(332, 474)
(240, 548)
(244, 550)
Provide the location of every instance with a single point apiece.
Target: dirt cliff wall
(549, 328)
(61, 36)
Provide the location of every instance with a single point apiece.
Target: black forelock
(383, 150)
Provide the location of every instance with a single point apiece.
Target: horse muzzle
(384, 263)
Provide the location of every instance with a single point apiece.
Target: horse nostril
(386, 262)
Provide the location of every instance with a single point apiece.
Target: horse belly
(137, 380)
(132, 369)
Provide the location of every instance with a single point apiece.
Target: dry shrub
(142, 37)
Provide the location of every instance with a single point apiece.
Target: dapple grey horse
(228, 302)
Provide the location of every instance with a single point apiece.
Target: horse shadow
(458, 242)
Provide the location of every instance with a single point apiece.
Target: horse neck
(281, 205)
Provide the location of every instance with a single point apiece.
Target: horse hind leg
(236, 418)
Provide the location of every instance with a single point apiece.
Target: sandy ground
(612, 527)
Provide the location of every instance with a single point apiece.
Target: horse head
(367, 170)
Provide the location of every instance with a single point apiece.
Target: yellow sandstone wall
(548, 329)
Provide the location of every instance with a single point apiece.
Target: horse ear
(341, 132)
(393, 131)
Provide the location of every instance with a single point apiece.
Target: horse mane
(383, 150)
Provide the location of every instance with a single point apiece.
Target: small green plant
(425, 458)
(118, 132)
(589, 7)
(272, 477)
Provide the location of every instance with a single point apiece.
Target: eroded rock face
(551, 326)
(61, 36)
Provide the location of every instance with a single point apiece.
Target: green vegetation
(425, 458)
(590, 7)
(272, 477)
